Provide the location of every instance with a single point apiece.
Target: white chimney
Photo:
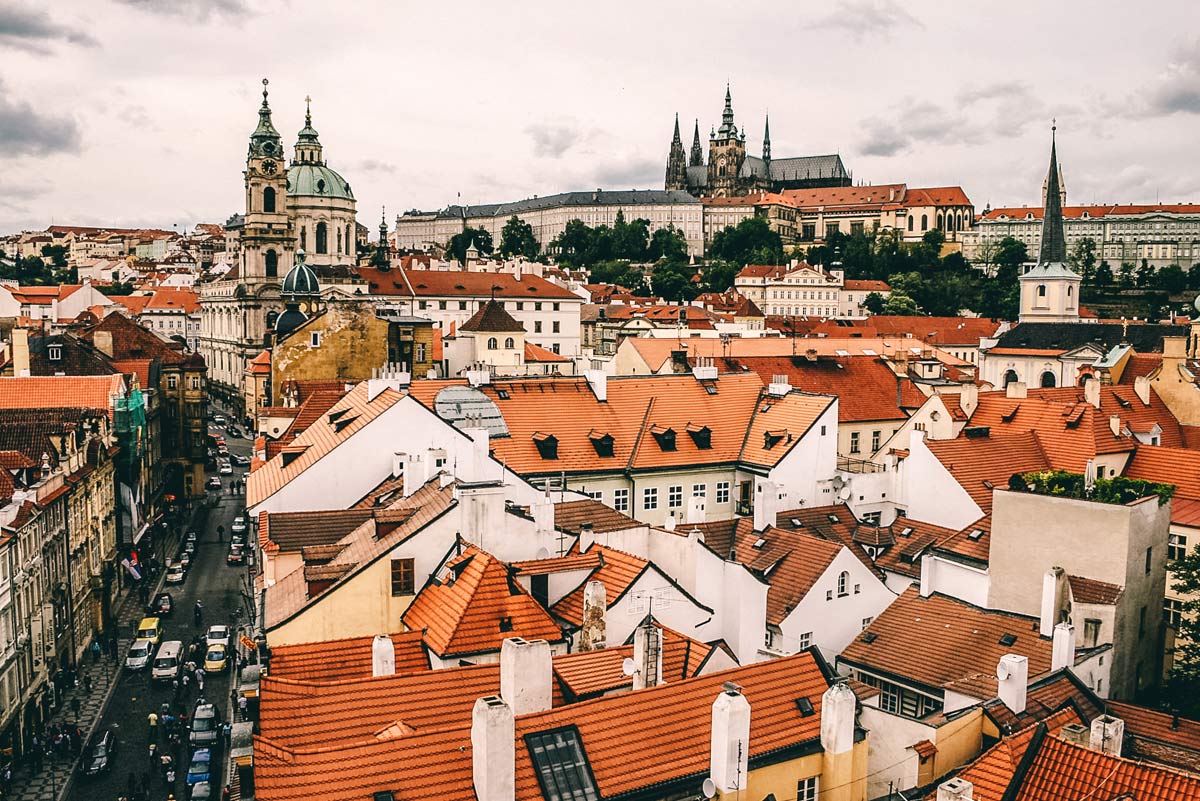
(696, 509)
(779, 386)
(670, 524)
(414, 473)
(598, 381)
(478, 377)
(1054, 591)
(493, 750)
(383, 656)
(1013, 681)
(1114, 424)
(587, 536)
(1141, 388)
(526, 675)
(1108, 734)
(478, 455)
(766, 505)
(647, 655)
(1063, 653)
(595, 605)
(1091, 391)
(730, 744)
(543, 521)
(956, 789)
(1016, 389)
(837, 718)
(397, 464)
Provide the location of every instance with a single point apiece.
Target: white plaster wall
(835, 623)
(928, 492)
(670, 607)
(954, 579)
(890, 761)
(810, 462)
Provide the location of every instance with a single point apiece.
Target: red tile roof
(1021, 212)
(183, 300)
(1156, 726)
(475, 607)
(457, 283)
(617, 570)
(940, 331)
(1092, 591)
(867, 389)
(982, 464)
(572, 515)
(91, 392)
(865, 285)
(1045, 697)
(1178, 466)
(586, 674)
(492, 317)
(345, 659)
(536, 353)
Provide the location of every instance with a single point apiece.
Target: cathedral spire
(697, 155)
(676, 140)
(727, 128)
(676, 162)
(767, 140)
(308, 143)
(1054, 241)
(265, 139)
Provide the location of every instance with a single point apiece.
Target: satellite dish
(709, 788)
(1001, 671)
(1198, 303)
(838, 482)
(845, 493)
(628, 666)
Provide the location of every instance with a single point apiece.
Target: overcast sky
(137, 112)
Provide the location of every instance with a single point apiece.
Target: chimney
(398, 464)
(595, 606)
(1175, 350)
(587, 536)
(837, 718)
(766, 505)
(1091, 391)
(1013, 684)
(779, 386)
(103, 342)
(1016, 389)
(526, 675)
(493, 750)
(1141, 388)
(1063, 653)
(647, 655)
(1077, 734)
(696, 510)
(598, 381)
(1054, 594)
(956, 789)
(383, 656)
(20, 341)
(414, 473)
(669, 525)
(478, 455)
(1114, 424)
(968, 398)
(730, 743)
(1108, 735)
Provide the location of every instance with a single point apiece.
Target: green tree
(899, 303)
(115, 288)
(1083, 259)
(1172, 279)
(874, 303)
(1104, 274)
(57, 255)
(630, 239)
(999, 293)
(1194, 276)
(668, 243)
(1145, 274)
(517, 239)
(1184, 682)
(1126, 275)
(673, 281)
(749, 242)
(460, 242)
(718, 275)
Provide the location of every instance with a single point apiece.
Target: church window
(269, 199)
(492, 344)
(939, 221)
(322, 238)
(271, 261)
(339, 240)
(510, 343)
(1010, 376)
(1048, 379)
(349, 239)
(303, 238)
(924, 222)
(1041, 290)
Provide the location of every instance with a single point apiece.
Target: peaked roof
(617, 570)
(475, 607)
(492, 317)
(39, 392)
(982, 464)
(1054, 240)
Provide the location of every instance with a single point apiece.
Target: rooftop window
(701, 435)
(664, 436)
(547, 445)
(561, 765)
(602, 442)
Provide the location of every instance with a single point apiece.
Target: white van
(167, 661)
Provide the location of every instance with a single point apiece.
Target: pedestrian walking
(75, 707)
(242, 704)
(95, 648)
(153, 754)
(152, 719)
(226, 729)
(199, 679)
(87, 683)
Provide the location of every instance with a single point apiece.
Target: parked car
(239, 525)
(162, 605)
(200, 767)
(240, 461)
(216, 658)
(215, 483)
(139, 655)
(176, 574)
(150, 629)
(236, 555)
(225, 469)
(168, 661)
(219, 419)
(217, 635)
(206, 723)
(201, 791)
(185, 559)
(191, 537)
(100, 753)
(189, 546)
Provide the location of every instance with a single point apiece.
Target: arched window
(339, 240)
(303, 238)
(910, 223)
(272, 264)
(510, 343)
(1070, 291)
(843, 581)
(1041, 290)
(492, 345)
(1010, 376)
(1048, 379)
(924, 222)
(322, 238)
(939, 220)
(268, 199)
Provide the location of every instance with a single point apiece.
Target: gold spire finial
(307, 109)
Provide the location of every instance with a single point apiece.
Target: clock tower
(267, 238)
(726, 152)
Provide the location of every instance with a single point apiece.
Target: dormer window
(773, 438)
(602, 442)
(701, 435)
(665, 437)
(54, 353)
(547, 445)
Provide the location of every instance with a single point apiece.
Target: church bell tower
(267, 239)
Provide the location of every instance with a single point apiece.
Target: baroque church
(301, 216)
(731, 172)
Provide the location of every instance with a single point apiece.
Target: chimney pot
(1108, 735)
(956, 789)
(493, 749)
(595, 606)
(526, 675)
(1063, 654)
(730, 743)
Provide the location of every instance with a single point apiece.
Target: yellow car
(216, 658)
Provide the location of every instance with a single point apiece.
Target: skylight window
(797, 523)
(870, 637)
(502, 394)
(841, 352)
(975, 534)
(759, 543)
(805, 705)
(869, 352)
(906, 531)
(834, 519)
(561, 765)
(1008, 640)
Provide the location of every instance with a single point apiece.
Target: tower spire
(697, 155)
(676, 162)
(1054, 241)
(676, 139)
(767, 139)
(265, 139)
(308, 142)
(727, 129)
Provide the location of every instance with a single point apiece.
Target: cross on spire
(307, 110)
(265, 82)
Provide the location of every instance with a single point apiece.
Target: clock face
(268, 167)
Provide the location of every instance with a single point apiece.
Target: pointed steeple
(727, 129)
(383, 229)
(676, 162)
(265, 140)
(767, 139)
(1054, 240)
(676, 140)
(697, 155)
(308, 144)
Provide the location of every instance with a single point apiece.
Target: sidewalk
(51, 784)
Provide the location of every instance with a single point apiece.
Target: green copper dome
(316, 180)
(300, 281)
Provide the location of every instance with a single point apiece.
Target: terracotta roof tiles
(982, 464)
(345, 659)
(618, 571)
(1092, 591)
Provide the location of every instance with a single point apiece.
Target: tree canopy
(749, 242)
(460, 242)
(517, 239)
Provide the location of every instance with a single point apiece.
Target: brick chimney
(592, 633)
(1016, 389)
(730, 743)
(526, 675)
(383, 656)
(493, 750)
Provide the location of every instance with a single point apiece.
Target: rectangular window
(315, 339)
(806, 789)
(442, 305)
(462, 305)
(1176, 546)
(402, 577)
(874, 441)
(420, 352)
(1172, 612)
(596, 495)
(1142, 622)
(866, 621)
(804, 640)
(1149, 558)
(556, 307)
(554, 327)
(422, 304)
(722, 492)
(621, 500)
(650, 498)
(562, 766)
(1091, 632)
(537, 326)
(172, 381)
(537, 306)
(675, 496)
(699, 490)
(520, 305)
(854, 442)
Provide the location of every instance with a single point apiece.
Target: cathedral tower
(267, 236)
(697, 155)
(1050, 289)
(726, 152)
(676, 162)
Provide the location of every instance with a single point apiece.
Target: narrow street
(219, 586)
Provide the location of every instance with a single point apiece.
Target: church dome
(300, 280)
(316, 180)
(291, 319)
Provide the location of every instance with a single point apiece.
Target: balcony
(847, 464)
